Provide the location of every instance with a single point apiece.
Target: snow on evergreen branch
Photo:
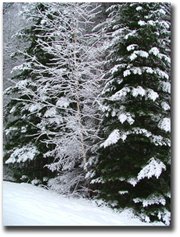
(165, 124)
(97, 180)
(151, 94)
(165, 215)
(113, 138)
(153, 168)
(126, 117)
(149, 70)
(151, 200)
(123, 192)
(135, 91)
(116, 135)
(120, 94)
(138, 91)
(139, 8)
(131, 47)
(156, 52)
(23, 154)
(165, 86)
(140, 53)
(132, 181)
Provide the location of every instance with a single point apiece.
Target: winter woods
(89, 107)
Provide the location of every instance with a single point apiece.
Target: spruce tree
(133, 167)
(24, 147)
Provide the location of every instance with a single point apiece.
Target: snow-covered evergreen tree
(133, 168)
(24, 148)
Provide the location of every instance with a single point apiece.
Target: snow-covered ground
(28, 205)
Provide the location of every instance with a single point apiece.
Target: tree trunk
(78, 115)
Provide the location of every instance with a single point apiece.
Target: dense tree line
(89, 107)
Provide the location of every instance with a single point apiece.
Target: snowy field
(28, 205)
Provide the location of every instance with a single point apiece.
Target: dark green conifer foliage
(24, 112)
(133, 168)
